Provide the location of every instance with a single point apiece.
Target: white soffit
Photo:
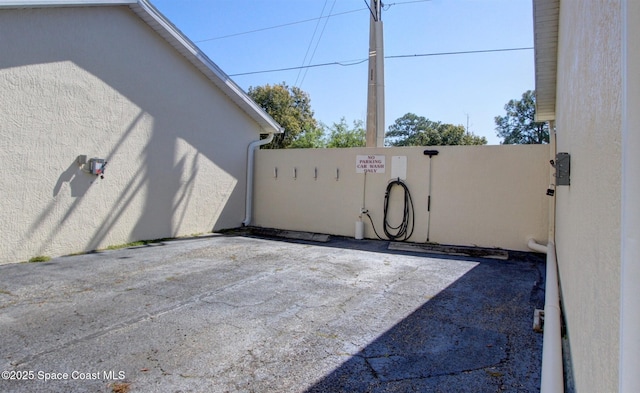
(545, 24)
(161, 25)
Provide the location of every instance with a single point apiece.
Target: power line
(387, 6)
(360, 61)
(278, 26)
(299, 67)
(313, 36)
(304, 75)
(458, 53)
(373, 15)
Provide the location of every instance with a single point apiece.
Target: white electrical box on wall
(399, 167)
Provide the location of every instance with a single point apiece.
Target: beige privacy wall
(97, 81)
(489, 196)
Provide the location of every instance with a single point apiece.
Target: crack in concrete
(132, 321)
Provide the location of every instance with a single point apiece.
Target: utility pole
(375, 91)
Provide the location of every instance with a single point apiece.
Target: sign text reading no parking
(370, 164)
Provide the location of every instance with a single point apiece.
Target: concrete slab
(238, 314)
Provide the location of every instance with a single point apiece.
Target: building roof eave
(546, 15)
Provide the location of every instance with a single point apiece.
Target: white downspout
(630, 214)
(552, 379)
(250, 158)
(552, 375)
(552, 368)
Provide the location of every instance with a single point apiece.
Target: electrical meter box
(563, 169)
(96, 166)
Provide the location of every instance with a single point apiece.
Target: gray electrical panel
(563, 169)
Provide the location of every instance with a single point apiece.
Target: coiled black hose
(405, 229)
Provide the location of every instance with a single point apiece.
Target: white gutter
(250, 158)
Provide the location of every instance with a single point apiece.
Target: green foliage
(337, 136)
(291, 108)
(518, 125)
(414, 130)
(340, 135)
(310, 139)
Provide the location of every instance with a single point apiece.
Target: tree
(310, 139)
(341, 136)
(414, 130)
(290, 107)
(518, 125)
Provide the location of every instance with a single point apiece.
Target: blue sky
(450, 88)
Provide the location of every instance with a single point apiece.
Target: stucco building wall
(97, 81)
(588, 122)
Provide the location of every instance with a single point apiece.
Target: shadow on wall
(474, 336)
(185, 107)
(79, 181)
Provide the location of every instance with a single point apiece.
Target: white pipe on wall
(552, 368)
(535, 246)
(629, 377)
(248, 212)
(552, 378)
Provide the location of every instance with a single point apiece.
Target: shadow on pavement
(475, 336)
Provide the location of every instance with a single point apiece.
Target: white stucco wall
(488, 196)
(588, 222)
(98, 81)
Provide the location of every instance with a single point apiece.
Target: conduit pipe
(535, 246)
(248, 212)
(552, 380)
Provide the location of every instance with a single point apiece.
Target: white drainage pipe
(552, 368)
(248, 212)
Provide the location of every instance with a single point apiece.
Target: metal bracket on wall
(563, 169)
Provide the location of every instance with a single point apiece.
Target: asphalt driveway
(245, 314)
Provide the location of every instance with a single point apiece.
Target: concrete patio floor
(247, 314)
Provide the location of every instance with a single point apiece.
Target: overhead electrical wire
(386, 7)
(304, 74)
(459, 53)
(373, 15)
(278, 26)
(313, 36)
(360, 61)
(317, 43)
(355, 62)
